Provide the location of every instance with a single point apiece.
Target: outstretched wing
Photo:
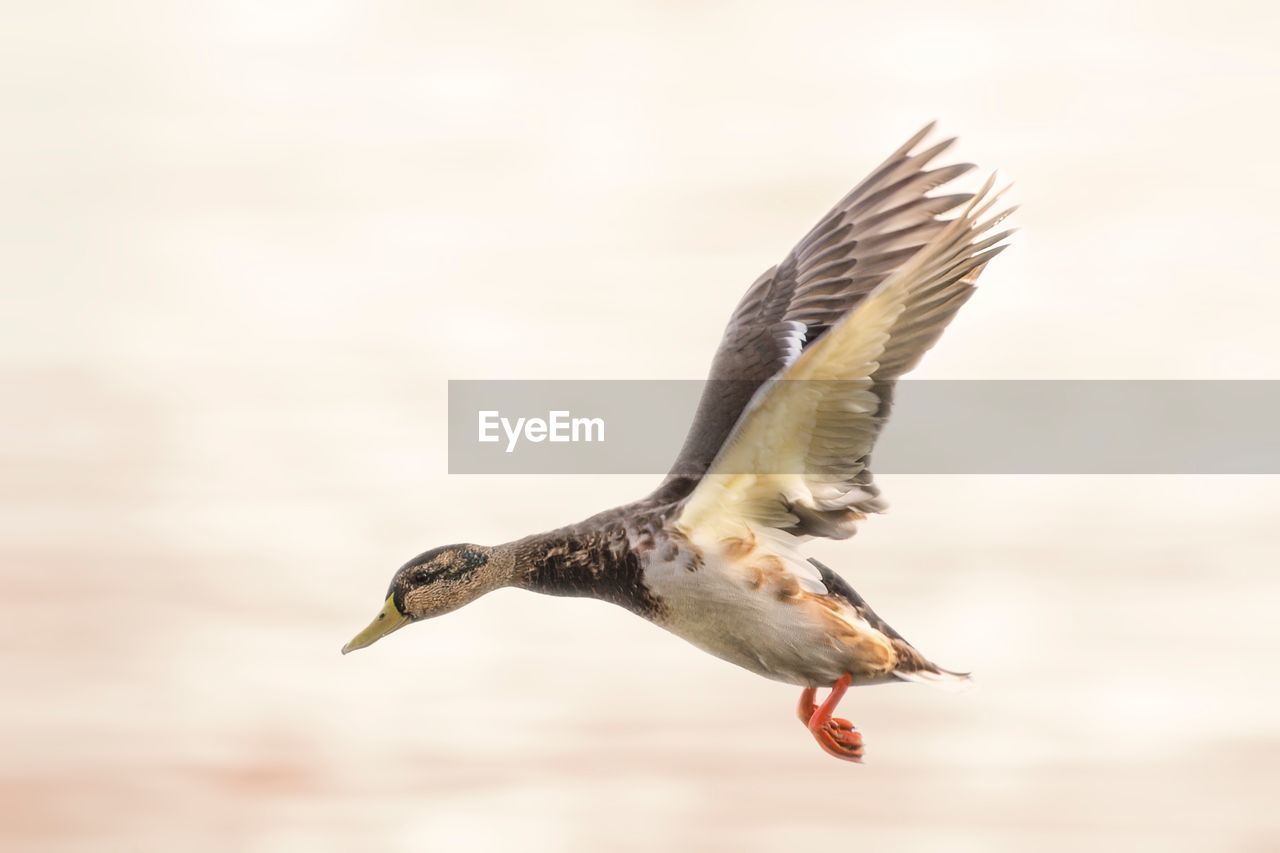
(871, 232)
(797, 459)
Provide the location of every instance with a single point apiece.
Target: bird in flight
(778, 453)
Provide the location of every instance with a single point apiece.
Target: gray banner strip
(937, 427)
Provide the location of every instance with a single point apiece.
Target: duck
(778, 454)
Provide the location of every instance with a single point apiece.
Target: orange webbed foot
(839, 738)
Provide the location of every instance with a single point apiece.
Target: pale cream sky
(246, 244)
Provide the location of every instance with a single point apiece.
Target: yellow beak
(384, 623)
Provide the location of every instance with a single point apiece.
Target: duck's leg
(836, 736)
(807, 706)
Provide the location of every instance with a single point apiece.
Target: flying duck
(778, 453)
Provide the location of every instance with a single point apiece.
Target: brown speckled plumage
(602, 557)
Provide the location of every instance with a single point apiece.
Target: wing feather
(873, 230)
(797, 459)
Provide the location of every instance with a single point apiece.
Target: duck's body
(744, 605)
(752, 601)
(778, 453)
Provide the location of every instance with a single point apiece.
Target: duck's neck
(501, 566)
(584, 561)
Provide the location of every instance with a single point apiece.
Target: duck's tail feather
(937, 677)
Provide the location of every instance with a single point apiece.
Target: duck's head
(434, 583)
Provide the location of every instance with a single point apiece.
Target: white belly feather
(753, 606)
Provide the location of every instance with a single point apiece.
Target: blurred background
(245, 244)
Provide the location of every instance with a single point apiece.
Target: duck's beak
(384, 623)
